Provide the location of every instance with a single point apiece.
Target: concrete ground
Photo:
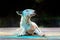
(46, 31)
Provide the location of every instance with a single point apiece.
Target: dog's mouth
(33, 14)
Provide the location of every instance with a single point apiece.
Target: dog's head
(29, 12)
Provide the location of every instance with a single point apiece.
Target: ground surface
(49, 32)
(46, 31)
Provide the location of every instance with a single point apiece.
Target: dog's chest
(26, 25)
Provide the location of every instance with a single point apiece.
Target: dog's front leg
(21, 31)
(39, 32)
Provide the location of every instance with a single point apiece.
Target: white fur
(24, 26)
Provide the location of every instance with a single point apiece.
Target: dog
(27, 27)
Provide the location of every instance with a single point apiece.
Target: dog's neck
(25, 19)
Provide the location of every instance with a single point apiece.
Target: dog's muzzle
(33, 14)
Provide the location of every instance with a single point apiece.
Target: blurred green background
(47, 12)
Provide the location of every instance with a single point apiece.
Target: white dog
(26, 25)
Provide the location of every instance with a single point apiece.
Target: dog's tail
(18, 13)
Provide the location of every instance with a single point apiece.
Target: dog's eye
(27, 10)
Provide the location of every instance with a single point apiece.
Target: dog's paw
(43, 35)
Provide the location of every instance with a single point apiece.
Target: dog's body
(26, 25)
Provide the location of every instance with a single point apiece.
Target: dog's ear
(19, 12)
